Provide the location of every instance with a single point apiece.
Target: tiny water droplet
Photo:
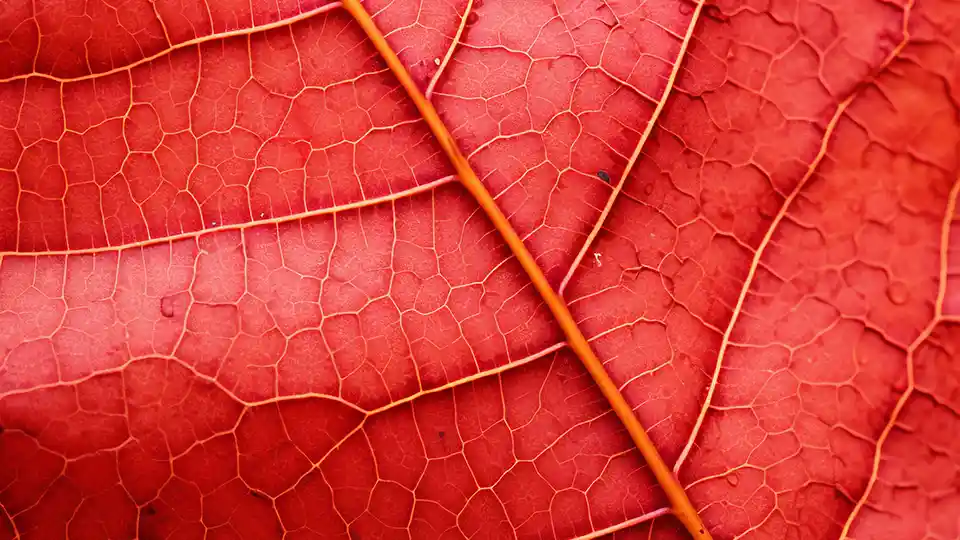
(733, 479)
(166, 306)
(898, 293)
(214, 223)
(436, 61)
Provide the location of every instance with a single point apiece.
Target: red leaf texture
(244, 293)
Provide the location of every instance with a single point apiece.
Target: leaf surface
(243, 295)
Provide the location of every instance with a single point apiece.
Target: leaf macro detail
(410, 269)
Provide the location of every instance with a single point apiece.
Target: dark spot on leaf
(898, 292)
(256, 494)
(150, 510)
(472, 18)
(166, 306)
(442, 434)
(603, 176)
(1, 430)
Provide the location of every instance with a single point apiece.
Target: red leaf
(242, 294)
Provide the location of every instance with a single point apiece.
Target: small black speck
(1, 430)
(442, 434)
(256, 494)
(603, 176)
(150, 510)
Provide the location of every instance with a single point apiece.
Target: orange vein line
(470, 378)
(13, 524)
(768, 237)
(637, 150)
(649, 516)
(215, 382)
(908, 391)
(679, 501)
(416, 190)
(751, 274)
(177, 46)
(446, 57)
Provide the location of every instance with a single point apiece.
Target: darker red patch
(167, 307)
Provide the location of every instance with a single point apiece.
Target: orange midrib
(679, 501)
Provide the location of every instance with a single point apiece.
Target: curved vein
(177, 46)
(651, 124)
(768, 237)
(911, 381)
(446, 57)
(373, 201)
